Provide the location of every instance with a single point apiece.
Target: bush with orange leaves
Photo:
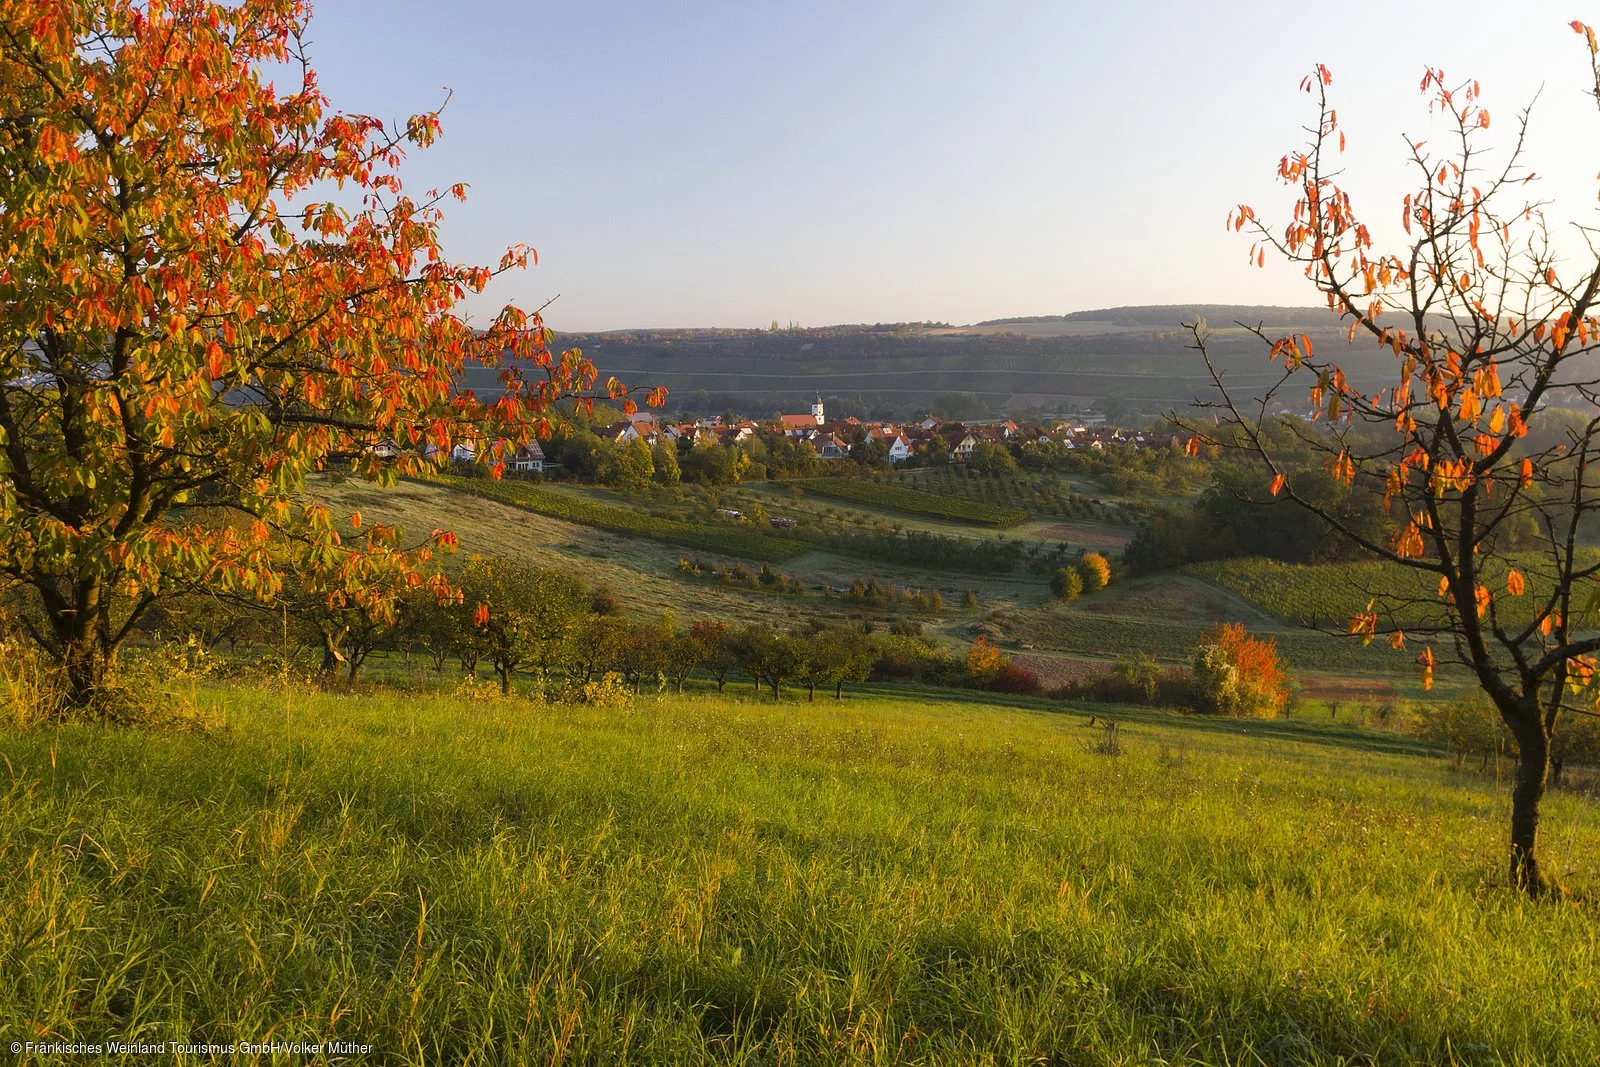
(1237, 674)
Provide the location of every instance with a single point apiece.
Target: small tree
(1238, 674)
(990, 458)
(1489, 328)
(525, 618)
(719, 654)
(847, 656)
(751, 648)
(631, 466)
(431, 625)
(646, 652)
(1066, 583)
(350, 600)
(664, 463)
(684, 653)
(984, 659)
(1095, 570)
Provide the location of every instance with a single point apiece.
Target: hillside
(695, 880)
(1127, 358)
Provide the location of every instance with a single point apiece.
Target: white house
(528, 459)
(899, 448)
(620, 433)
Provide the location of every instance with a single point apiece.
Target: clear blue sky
(710, 163)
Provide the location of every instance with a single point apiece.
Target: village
(931, 441)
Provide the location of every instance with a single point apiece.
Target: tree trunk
(85, 664)
(838, 692)
(331, 656)
(1533, 770)
(811, 692)
(505, 680)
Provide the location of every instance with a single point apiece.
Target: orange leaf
(1515, 585)
(1278, 482)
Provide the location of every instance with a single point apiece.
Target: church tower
(816, 409)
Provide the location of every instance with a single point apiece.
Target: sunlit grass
(706, 880)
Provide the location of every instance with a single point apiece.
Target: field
(1165, 615)
(1038, 494)
(730, 539)
(1331, 593)
(699, 881)
(916, 502)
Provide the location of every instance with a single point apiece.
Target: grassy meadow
(703, 879)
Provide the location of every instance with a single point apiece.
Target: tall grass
(698, 880)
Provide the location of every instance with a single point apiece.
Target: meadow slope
(703, 880)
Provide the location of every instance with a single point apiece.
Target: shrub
(1135, 679)
(1216, 681)
(608, 692)
(984, 658)
(1095, 571)
(31, 690)
(1469, 727)
(1236, 674)
(1012, 678)
(1067, 583)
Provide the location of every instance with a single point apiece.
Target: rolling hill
(1132, 359)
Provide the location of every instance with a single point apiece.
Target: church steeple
(816, 409)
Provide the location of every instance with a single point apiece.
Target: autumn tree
(1239, 674)
(985, 659)
(1095, 570)
(212, 285)
(1491, 329)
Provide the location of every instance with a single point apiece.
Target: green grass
(914, 501)
(701, 881)
(745, 542)
(1332, 593)
(1075, 629)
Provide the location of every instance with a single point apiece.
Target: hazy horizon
(729, 165)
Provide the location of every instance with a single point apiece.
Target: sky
(734, 164)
